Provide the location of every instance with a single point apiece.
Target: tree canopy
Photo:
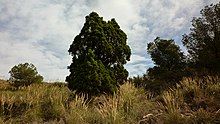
(203, 42)
(165, 54)
(169, 64)
(99, 52)
(24, 75)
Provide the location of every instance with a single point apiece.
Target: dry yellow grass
(195, 100)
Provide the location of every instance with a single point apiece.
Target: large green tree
(99, 52)
(24, 75)
(203, 42)
(169, 64)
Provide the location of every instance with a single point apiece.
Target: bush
(24, 75)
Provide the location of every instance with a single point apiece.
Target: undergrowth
(193, 101)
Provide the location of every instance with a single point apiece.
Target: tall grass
(50, 103)
(38, 102)
(195, 100)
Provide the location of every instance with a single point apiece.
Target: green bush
(24, 75)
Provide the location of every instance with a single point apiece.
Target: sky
(41, 31)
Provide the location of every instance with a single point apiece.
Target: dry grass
(195, 100)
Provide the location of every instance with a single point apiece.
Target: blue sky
(40, 31)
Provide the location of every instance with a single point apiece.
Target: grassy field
(194, 101)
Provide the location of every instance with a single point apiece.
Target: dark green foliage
(24, 75)
(165, 54)
(139, 81)
(99, 53)
(169, 64)
(203, 43)
(93, 78)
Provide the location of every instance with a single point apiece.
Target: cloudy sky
(40, 31)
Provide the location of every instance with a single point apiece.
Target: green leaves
(165, 54)
(24, 75)
(203, 42)
(99, 52)
(169, 64)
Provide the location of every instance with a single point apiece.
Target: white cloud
(40, 31)
(138, 64)
(137, 58)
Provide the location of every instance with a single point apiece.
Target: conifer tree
(99, 52)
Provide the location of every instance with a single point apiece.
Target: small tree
(169, 64)
(99, 53)
(24, 75)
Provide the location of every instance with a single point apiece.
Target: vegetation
(178, 89)
(169, 64)
(195, 100)
(24, 75)
(99, 53)
(203, 42)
